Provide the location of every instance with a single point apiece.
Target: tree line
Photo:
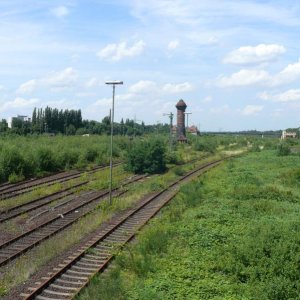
(70, 122)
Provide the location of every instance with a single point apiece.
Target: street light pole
(113, 83)
(187, 119)
(170, 115)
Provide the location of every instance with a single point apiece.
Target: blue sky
(236, 63)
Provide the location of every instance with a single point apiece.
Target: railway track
(83, 205)
(10, 191)
(73, 274)
(18, 210)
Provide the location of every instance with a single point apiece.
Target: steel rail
(69, 278)
(13, 192)
(20, 244)
(18, 210)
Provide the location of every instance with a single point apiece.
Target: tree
(147, 157)
(3, 126)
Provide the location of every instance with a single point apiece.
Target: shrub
(207, 146)
(283, 149)
(11, 161)
(178, 171)
(90, 154)
(255, 148)
(147, 157)
(174, 158)
(46, 160)
(13, 178)
(67, 159)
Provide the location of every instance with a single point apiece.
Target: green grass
(233, 234)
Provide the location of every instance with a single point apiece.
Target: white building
(286, 135)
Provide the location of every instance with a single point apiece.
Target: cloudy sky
(236, 63)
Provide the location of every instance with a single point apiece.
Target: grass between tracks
(19, 271)
(232, 234)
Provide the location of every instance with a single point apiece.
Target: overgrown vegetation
(147, 156)
(215, 241)
(22, 157)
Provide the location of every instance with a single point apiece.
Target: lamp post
(170, 115)
(187, 119)
(113, 83)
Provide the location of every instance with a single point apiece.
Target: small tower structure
(180, 133)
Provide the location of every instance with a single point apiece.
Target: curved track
(68, 278)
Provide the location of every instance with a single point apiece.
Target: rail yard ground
(232, 234)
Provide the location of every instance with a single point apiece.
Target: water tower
(181, 107)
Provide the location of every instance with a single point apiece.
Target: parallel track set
(70, 277)
(8, 191)
(83, 205)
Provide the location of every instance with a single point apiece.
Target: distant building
(193, 130)
(286, 135)
(18, 117)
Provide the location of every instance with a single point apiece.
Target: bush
(255, 148)
(147, 157)
(283, 150)
(174, 158)
(14, 178)
(67, 159)
(206, 146)
(11, 161)
(46, 160)
(90, 154)
(178, 171)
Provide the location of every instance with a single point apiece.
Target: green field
(232, 234)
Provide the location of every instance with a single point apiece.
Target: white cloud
(93, 82)
(62, 79)
(220, 109)
(104, 102)
(195, 12)
(27, 87)
(55, 80)
(2, 88)
(18, 103)
(203, 39)
(177, 88)
(246, 77)
(143, 86)
(252, 109)
(116, 52)
(254, 55)
(243, 78)
(148, 86)
(292, 95)
(173, 45)
(287, 75)
(207, 99)
(60, 11)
